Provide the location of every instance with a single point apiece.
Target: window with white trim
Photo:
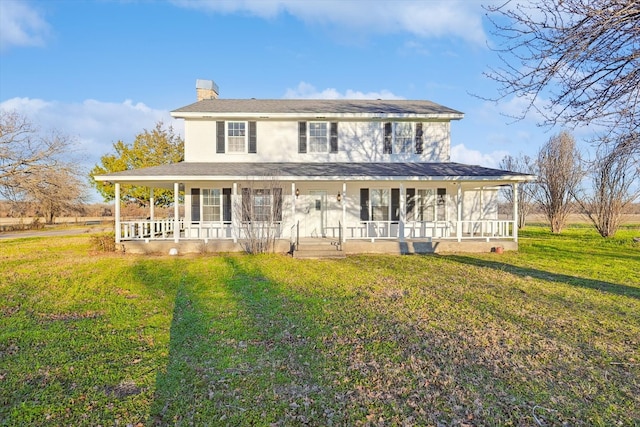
(262, 204)
(426, 204)
(236, 137)
(318, 137)
(380, 201)
(211, 204)
(402, 137)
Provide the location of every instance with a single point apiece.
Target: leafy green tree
(157, 147)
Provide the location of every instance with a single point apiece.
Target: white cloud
(423, 18)
(95, 125)
(462, 154)
(21, 25)
(307, 91)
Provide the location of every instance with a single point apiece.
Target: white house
(358, 175)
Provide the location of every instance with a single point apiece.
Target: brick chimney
(206, 89)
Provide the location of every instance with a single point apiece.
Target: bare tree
(559, 175)
(613, 175)
(582, 57)
(524, 164)
(259, 212)
(37, 168)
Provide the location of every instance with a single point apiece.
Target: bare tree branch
(577, 62)
(526, 190)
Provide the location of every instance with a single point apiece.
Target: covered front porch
(334, 217)
(353, 206)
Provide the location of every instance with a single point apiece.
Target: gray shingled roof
(346, 171)
(318, 107)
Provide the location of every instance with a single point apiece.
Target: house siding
(278, 141)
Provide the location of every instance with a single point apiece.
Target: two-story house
(366, 175)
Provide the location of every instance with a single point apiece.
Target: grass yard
(546, 336)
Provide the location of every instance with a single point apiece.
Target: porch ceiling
(164, 175)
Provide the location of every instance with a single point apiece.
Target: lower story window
(261, 205)
(211, 204)
(379, 200)
(264, 205)
(428, 204)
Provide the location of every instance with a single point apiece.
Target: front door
(319, 213)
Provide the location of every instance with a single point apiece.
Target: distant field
(580, 219)
(63, 220)
(548, 336)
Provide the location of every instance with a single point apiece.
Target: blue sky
(103, 71)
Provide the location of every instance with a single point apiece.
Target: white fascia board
(318, 116)
(168, 179)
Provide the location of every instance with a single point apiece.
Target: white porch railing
(487, 229)
(148, 229)
(208, 230)
(470, 229)
(476, 229)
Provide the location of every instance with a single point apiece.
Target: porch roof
(200, 171)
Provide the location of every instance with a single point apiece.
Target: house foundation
(350, 247)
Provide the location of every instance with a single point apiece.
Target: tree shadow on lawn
(241, 352)
(613, 288)
(246, 349)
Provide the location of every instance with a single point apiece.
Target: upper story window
(317, 137)
(236, 137)
(403, 138)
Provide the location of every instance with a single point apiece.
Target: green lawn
(548, 335)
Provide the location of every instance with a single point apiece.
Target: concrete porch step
(318, 248)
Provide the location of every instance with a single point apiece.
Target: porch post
(459, 214)
(515, 211)
(403, 214)
(344, 211)
(176, 212)
(482, 212)
(152, 203)
(293, 202)
(235, 216)
(117, 206)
